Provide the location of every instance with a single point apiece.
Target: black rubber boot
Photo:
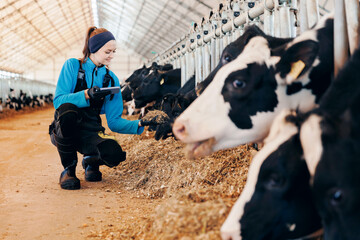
(68, 179)
(91, 166)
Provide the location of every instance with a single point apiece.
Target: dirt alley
(32, 205)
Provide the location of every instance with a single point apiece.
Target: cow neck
(172, 81)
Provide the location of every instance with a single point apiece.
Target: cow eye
(337, 197)
(239, 83)
(274, 181)
(226, 59)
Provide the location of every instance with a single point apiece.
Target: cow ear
(154, 65)
(163, 78)
(296, 60)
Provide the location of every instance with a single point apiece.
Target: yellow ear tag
(162, 81)
(296, 69)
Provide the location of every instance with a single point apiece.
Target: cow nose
(179, 130)
(231, 235)
(226, 236)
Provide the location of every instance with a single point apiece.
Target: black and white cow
(331, 141)
(186, 95)
(277, 201)
(333, 158)
(136, 77)
(134, 81)
(140, 74)
(246, 94)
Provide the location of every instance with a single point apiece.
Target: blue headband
(99, 40)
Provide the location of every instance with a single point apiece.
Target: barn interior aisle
(156, 192)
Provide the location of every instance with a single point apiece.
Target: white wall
(123, 64)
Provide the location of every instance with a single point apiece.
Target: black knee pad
(111, 153)
(67, 107)
(68, 118)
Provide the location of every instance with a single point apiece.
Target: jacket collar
(89, 64)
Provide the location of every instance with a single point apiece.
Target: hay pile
(196, 194)
(158, 116)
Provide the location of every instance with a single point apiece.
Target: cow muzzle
(195, 147)
(199, 149)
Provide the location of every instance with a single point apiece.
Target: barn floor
(155, 194)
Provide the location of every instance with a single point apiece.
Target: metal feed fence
(199, 51)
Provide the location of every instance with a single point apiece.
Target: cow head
(155, 85)
(332, 153)
(138, 75)
(173, 105)
(276, 202)
(229, 53)
(135, 74)
(233, 50)
(126, 93)
(246, 94)
(148, 89)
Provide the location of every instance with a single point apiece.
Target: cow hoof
(69, 181)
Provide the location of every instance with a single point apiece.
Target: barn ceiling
(33, 32)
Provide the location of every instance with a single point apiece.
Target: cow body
(240, 103)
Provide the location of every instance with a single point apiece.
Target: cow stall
(199, 51)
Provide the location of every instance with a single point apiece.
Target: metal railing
(198, 52)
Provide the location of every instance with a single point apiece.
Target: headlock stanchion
(352, 22)
(199, 51)
(346, 30)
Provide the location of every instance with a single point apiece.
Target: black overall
(80, 130)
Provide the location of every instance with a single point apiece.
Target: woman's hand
(95, 93)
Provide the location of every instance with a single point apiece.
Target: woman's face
(105, 54)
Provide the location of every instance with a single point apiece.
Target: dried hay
(160, 116)
(197, 194)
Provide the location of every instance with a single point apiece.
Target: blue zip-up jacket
(94, 76)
